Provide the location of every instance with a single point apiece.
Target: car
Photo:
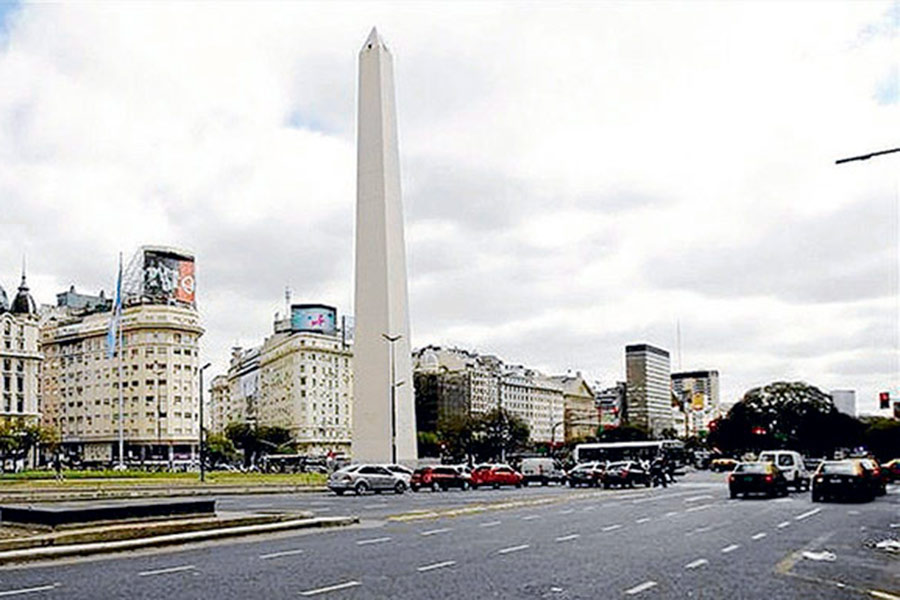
(589, 474)
(757, 478)
(892, 468)
(625, 473)
(790, 463)
(440, 477)
(722, 464)
(844, 479)
(878, 478)
(702, 459)
(364, 478)
(541, 470)
(812, 464)
(405, 473)
(495, 476)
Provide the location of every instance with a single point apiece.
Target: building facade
(611, 403)
(649, 387)
(698, 393)
(580, 416)
(21, 358)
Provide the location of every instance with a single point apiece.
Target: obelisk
(381, 346)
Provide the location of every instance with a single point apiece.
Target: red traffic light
(759, 430)
(884, 400)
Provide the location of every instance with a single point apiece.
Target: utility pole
(841, 161)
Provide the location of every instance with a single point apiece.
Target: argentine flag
(116, 316)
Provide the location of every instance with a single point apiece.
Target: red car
(892, 468)
(495, 476)
(439, 478)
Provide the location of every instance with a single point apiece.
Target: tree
(255, 441)
(219, 449)
(498, 433)
(456, 436)
(623, 433)
(882, 437)
(429, 443)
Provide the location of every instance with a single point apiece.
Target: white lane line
(807, 514)
(643, 520)
(758, 536)
(490, 524)
(568, 511)
(440, 565)
(436, 531)
(331, 588)
(697, 563)
(672, 513)
(165, 571)
(591, 507)
(380, 540)
(566, 538)
(730, 548)
(40, 588)
(695, 498)
(784, 524)
(852, 512)
(641, 588)
(531, 517)
(696, 508)
(703, 529)
(283, 553)
(612, 527)
(513, 549)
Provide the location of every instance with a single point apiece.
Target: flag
(116, 316)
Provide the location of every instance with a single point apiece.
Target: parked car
(625, 473)
(878, 479)
(589, 474)
(495, 476)
(790, 463)
(812, 464)
(841, 479)
(364, 478)
(892, 468)
(757, 478)
(542, 470)
(722, 464)
(405, 473)
(440, 477)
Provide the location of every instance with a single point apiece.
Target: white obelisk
(381, 296)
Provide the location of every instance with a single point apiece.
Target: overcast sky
(576, 177)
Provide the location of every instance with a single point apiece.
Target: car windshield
(752, 468)
(842, 468)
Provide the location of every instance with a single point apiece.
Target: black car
(844, 479)
(627, 473)
(757, 478)
(589, 474)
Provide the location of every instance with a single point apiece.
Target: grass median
(110, 478)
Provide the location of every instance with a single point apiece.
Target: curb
(151, 492)
(170, 539)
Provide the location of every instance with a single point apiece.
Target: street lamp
(391, 339)
(202, 440)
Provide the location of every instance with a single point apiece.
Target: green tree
(429, 444)
(220, 449)
(456, 435)
(882, 437)
(498, 433)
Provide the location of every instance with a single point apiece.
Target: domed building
(20, 357)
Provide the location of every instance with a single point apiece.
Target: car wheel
(339, 492)
(414, 488)
(435, 486)
(525, 483)
(464, 486)
(571, 483)
(816, 498)
(732, 494)
(518, 484)
(474, 486)
(496, 486)
(400, 487)
(545, 481)
(606, 485)
(361, 488)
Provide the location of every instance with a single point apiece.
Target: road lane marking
(513, 549)
(278, 554)
(440, 565)
(568, 511)
(331, 588)
(566, 538)
(784, 524)
(490, 524)
(730, 548)
(758, 536)
(696, 498)
(641, 588)
(883, 595)
(436, 531)
(531, 517)
(808, 513)
(696, 508)
(168, 570)
(40, 588)
(612, 527)
(852, 512)
(703, 529)
(380, 540)
(697, 563)
(591, 507)
(672, 513)
(643, 520)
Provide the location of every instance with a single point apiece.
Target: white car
(791, 464)
(404, 473)
(364, 478)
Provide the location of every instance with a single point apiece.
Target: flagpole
(121, 350)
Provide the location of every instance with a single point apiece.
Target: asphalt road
(686, 541)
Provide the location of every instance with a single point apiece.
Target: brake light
(769, 478)
(730, 478)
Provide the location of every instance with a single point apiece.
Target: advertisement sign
(168, 276)
(314, 317)
(698, 402)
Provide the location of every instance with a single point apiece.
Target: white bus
(614, 451)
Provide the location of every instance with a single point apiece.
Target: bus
(615, 451)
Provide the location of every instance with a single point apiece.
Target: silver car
(364, 478)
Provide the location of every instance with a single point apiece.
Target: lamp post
(202, 437)
(391, 339)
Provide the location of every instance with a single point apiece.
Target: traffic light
(884, 400)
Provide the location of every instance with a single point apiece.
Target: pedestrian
(57, 466)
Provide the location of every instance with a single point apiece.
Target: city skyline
(551, 233)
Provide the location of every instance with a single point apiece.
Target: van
(791, 464)
(543, 470)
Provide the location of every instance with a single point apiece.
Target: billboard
(314, 317)
(168, 276)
